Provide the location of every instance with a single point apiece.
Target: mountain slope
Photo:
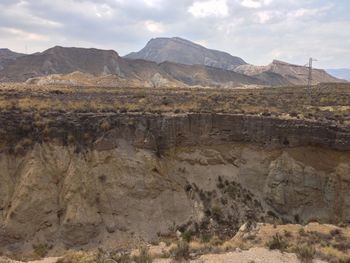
(343, 73)
(182, 51)
(292, 74)
(60, 62)
(7, 56)
(208, 76)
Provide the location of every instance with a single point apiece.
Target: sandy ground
(256, 255)
(46, 260)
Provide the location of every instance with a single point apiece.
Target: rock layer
(161, 132)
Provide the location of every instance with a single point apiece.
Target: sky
(256, 30)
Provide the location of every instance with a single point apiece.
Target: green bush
(41, 250)
(187, 236)
(217, 213)
(206, 237)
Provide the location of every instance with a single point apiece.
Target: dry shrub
(277, 242)
(144, 256)
(181, 251)
(305, 253)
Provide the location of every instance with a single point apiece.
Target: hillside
(289, 73)
(61, 60)
(107, 68)
(208, 76)
(7, 55)
(182, 51)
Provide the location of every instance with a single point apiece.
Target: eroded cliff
(81, 179)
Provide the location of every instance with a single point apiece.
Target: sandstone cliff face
(53, 194)
(144, 175)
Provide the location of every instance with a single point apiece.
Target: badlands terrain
(108, 174)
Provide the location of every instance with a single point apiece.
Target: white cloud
(269, 16)
(264, 17)
(154, 27)
(212, 8)
(303, 12)
(23, 35)
(103, 10)
(255, 3)
(153, 3)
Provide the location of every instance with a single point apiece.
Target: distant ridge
(6, 56)
(62, 61)
(291, 73)
(183, 51)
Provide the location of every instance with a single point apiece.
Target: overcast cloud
(256, 30)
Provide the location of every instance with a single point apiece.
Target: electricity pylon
(309, 80)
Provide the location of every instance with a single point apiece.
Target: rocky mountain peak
(182, 51)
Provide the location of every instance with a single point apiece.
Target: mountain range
(182, 51)
(167, 62)
(60, 60)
